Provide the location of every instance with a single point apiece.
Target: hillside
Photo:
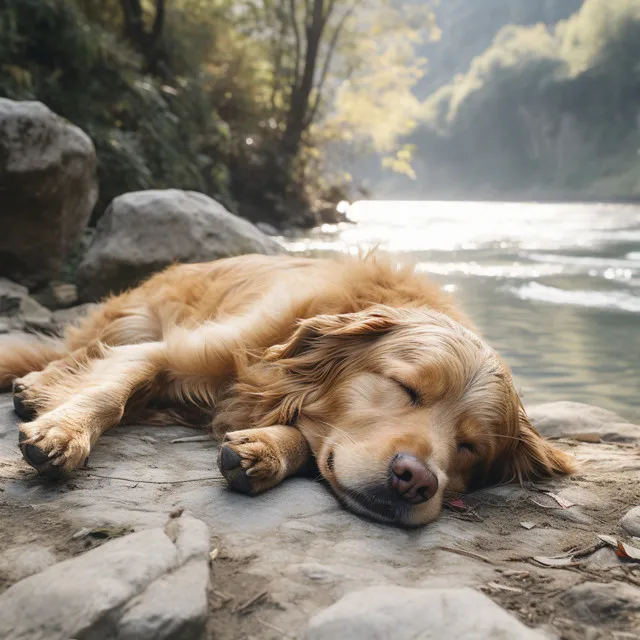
(467, 28)
(545, 112)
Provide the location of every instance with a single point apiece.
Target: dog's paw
(24, 397)
(249, 463)
(52, 449)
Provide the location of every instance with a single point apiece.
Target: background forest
(280, 108)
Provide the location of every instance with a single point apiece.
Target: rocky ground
(110, 553)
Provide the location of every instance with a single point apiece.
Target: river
(555, 288)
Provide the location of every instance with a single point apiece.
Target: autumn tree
(341, 73)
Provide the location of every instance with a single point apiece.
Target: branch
(158, 25)
(330, 7)
(281, 19)
(296, 33)
(327, 64)
(133, 26)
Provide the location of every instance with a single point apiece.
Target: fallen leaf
(561, 561)
(512, 573)
(623, 551)
(627, 552)
(563, 502)
(527, 525)
(610, 540)
(457, 504)
(503, 587)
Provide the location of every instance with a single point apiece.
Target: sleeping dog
(361, 365)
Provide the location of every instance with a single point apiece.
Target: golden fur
(346, 361)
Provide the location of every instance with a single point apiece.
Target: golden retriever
(364, 366)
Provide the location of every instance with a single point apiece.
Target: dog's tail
(22, 354)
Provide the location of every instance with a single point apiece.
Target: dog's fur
(346, 361)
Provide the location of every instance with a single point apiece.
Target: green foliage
(226, 101)
(553, 108)
(147, 134)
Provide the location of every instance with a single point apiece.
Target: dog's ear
(533, 457)
(331, 332)
(304, 368)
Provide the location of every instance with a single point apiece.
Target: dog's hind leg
(254, 460)
(45, 388)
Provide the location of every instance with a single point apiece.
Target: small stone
(57, 295)
(20, 311)
(400, 613)
(631, 522)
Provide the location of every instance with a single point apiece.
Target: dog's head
(399, 405)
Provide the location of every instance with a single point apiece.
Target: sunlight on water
(497, 240)
(603, 299)
(555, 287)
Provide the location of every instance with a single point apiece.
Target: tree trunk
(301, 92)
(143, 41)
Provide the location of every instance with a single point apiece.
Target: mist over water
(555, 288)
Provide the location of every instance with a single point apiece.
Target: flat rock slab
(567, 419)
(287, 555)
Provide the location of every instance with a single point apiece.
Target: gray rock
(150, 584)
(64, 317)
(399, 613)
(19, 311)
(595, 602)
(146, 231)
(47, 190)
(631, 522)
(566, 419)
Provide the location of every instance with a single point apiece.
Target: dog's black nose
(411, 479)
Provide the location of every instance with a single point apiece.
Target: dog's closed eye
(413, 395)
(466, 447)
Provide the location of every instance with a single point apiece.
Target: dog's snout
(411, 479)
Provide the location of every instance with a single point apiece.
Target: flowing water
(555, 288)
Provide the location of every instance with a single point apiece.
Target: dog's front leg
(254, 460)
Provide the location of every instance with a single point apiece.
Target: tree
(341, 71)
(302, 110)
(144, 40)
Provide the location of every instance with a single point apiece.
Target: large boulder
(48, 189)
(146, 231)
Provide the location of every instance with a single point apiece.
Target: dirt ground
(285, 556)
